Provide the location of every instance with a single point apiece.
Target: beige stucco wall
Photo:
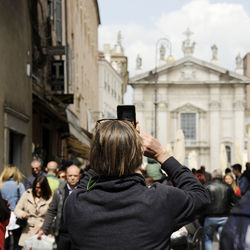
(110, 90)
(83, 21)
(15, 85)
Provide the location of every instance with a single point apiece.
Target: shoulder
(27, 194)
(61, 188)
(21, 185)
(9, 184)
(31, 177)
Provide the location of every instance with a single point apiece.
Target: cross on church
(188, 33)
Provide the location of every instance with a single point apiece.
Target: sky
(225, 23)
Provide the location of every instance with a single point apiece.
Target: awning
(74, 129)
(78, 147)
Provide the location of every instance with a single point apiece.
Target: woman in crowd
(33, 205)
(114, 209)
(229, 179)
(12, 189)
(61, 175)
(4, 220)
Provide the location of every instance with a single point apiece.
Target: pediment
(188, 108)
(190, 69)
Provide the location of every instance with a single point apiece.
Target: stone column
(239, 118)
(162, 116)
(139, 105)
(202, 128)
(214, 105)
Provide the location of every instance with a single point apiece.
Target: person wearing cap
(153, 171)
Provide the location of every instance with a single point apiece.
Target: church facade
(203, 99)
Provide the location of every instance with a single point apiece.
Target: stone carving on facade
(188, 108)
(239, 64)
(214, 49)
(119, 38)
(214, 105)
(239, 105)
(214, 59)
(187, 47)
(118, 47)
(138, 62)
(188, 72)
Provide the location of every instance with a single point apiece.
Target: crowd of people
(114, 204)
(31, 208)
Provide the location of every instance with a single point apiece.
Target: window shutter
(59, 20)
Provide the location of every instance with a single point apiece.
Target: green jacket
(54, 182)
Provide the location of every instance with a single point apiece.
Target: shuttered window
(59, 20)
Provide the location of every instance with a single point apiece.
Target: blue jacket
(31, 178)
(9, 192)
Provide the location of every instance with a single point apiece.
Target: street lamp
(162, 51)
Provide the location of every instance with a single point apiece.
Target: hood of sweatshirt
(115, 184)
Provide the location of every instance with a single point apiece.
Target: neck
(138, 171)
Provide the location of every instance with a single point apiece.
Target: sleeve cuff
(171, 165)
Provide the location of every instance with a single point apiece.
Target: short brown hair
(116, 149)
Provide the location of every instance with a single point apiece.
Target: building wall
(82, 30)
(219, 109)
(15, 84)
(110, 90)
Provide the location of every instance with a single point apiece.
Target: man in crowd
(222, 200)
(52, 169)
(207, 175)
(241, 179)
(56, 209)
(36, 166)
(235, 233)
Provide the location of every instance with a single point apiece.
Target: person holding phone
(114, 209)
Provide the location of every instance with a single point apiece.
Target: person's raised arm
(192, 197)
(153, 149)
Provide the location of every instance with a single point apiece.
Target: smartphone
(126, 112)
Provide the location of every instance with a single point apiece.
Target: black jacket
(222, 198)
(234, 235)
(55, 210)
(123, 213)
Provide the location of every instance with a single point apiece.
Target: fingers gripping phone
(126, 112)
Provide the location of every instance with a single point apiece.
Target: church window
(188, 125)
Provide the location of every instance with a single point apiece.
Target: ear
(46, 169)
